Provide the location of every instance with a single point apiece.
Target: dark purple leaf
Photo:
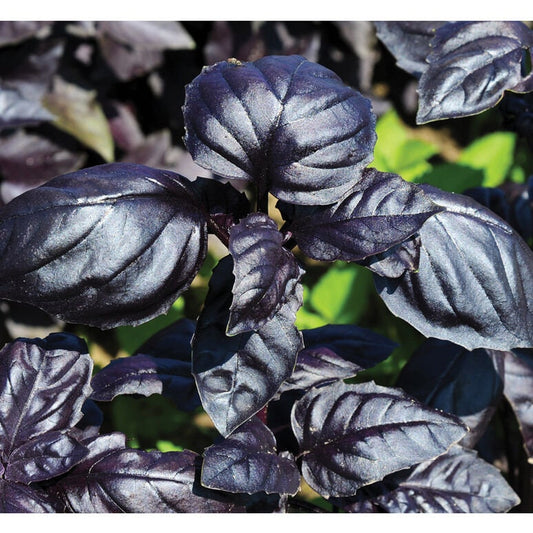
(382, 211)
(134, 48)
(446, 376)
(354, 435)
(518, 384)
(27, 161)
(19, 498)
(470, 67)
(456, 482)
(135, 481)
(408, 42)
(336, 352)
(25, 76)
(283, 123)
(15, 31)
(105, 246)
(266, 274)
(43, 385)
(237, 375)
(44, 457)
(162, 365)
(247, 462)
(473, 286)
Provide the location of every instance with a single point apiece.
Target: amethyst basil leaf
(408, 42)
(336, 352)
(162, 365)
(381, 211)
(456, 482)
(464, 383)
(283, 123)
(470, 67)
(266, 274)
(42, 389)
(247, 462)
(473, 285)
(237, 375)
(110, 245)
(115, 479)
(354, 435)
(518, 384)
(19, 498)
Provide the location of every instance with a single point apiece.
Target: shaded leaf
(28, 160)
(464, 383)
(161, 366)
(381, 211)
(456, 482)
(15, 31)
(63, 246)
(237, 375)
(470, 66)
(336, 352)
(518, 384)
(408, 42)
(247, 462)
(286, 124)
(355, 435)
(266, 275)
(473, 285)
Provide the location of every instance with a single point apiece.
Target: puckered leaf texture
(354, 435)
(470, 67)
(381, 211)
(247, 462)
(286, 124)
(473, 285)
(237, 375)
(266, 274)
(105, 246)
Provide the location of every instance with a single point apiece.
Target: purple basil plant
(116, 244)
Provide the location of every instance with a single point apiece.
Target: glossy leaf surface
(471, 65)
(266, 274)
(127, 480)
(456, 482)
(247, 462)
(354, 435)
(473, 285)
(42, 387)
(237, 375)
(382, 211)
(105, 246)
(284, 123)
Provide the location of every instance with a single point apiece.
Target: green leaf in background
(78, 113)
(341, 295)
(452, 177)
(397, 151)
(132, 337)
(493, 154)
